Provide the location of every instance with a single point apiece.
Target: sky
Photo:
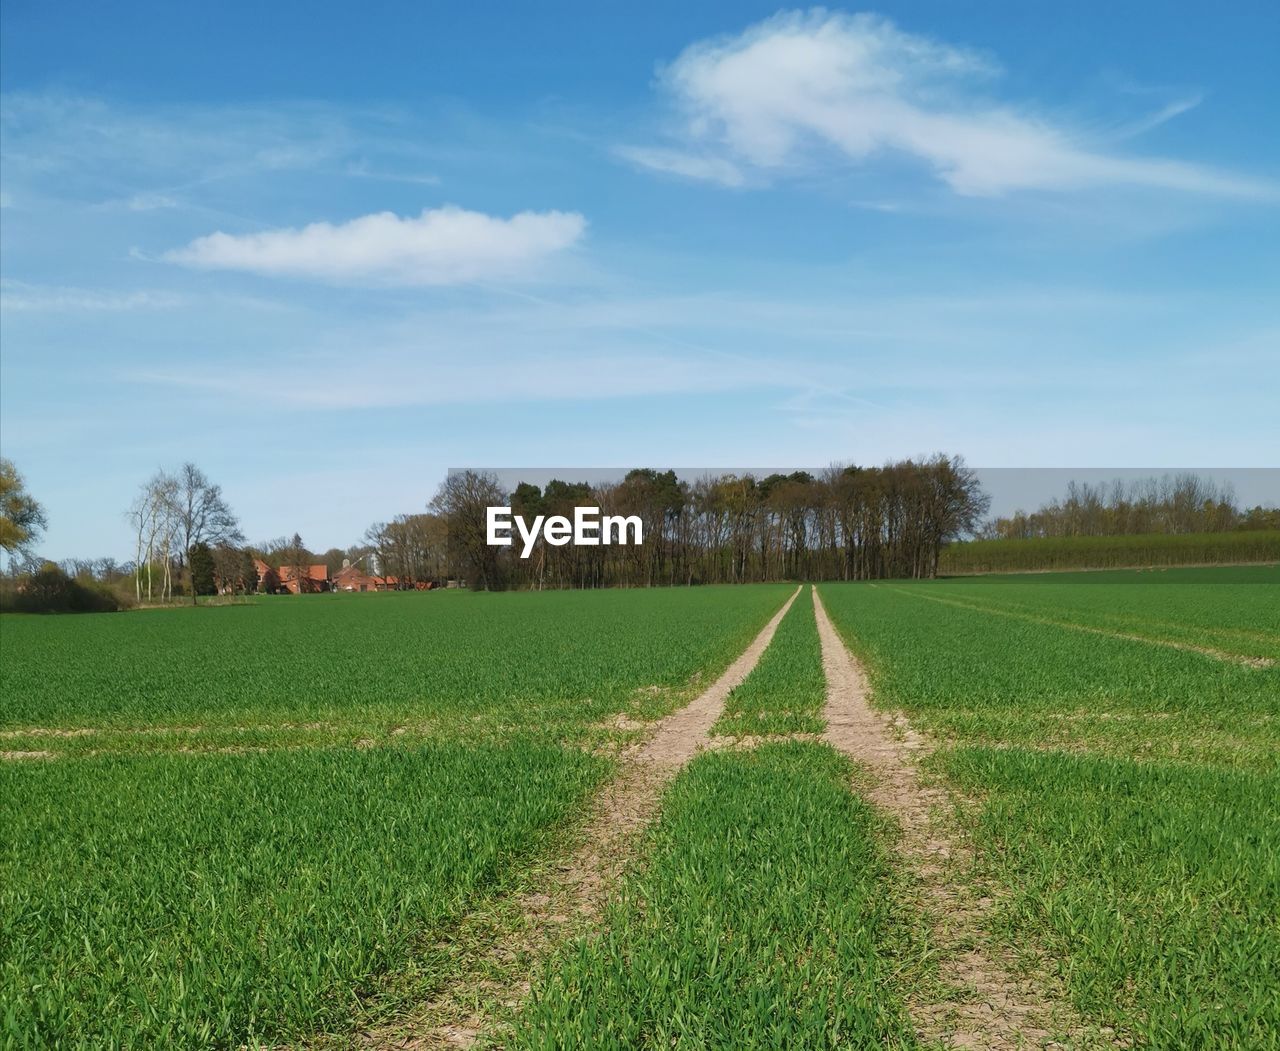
(328, 256)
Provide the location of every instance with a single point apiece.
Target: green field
(762, 920)
(1130, 792)
(220, 865)
(550, 662)
(178, 901)
(266, 824)
(784, 694)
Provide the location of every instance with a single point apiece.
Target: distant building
(312, 579)
(350, 577)
(353, 578)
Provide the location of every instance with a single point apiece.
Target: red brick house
(313, 579)
(353, 578)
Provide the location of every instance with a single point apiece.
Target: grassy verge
(220, 900)
(764, 918)
(784, 694)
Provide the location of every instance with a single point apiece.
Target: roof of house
(319, 572)
(355, 573)
(350, 571)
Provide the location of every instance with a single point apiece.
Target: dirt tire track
(1003, 1011)
(573, 892)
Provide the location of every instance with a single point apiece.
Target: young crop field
(763, 919)
(180, 901)
(349, 664)
(247, 824)
(784, 694)
(1122, 791)
(1231, 609)
(483, 820)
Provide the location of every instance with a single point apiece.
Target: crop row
(784, 693)
(764, 917)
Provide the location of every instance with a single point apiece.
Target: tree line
(844, 523)
(1174, 504)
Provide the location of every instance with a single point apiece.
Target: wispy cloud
(442, 246)
(88, 143)
(470, 380)
(361, 169)
(800, 89)
(21, 296)
(678, 162)
(73, 148)
(150, 202)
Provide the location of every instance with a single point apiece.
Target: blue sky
(328, 257)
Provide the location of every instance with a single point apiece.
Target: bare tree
(155, 528)
(1184, 503)
(202, 515)
(411, 548)
(462, 500)
(297, 558)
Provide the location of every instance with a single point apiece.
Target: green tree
(248, 574)
(21, 519)
(202, 571)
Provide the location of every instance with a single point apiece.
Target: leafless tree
(462, 500)
(1183, 503)
(201, 513)
(155, 527)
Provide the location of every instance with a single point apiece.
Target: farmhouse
(314, 578)
(353, 578)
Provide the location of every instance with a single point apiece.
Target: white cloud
(442, 246)
(790, 91)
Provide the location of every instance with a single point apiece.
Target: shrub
(50, 590)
